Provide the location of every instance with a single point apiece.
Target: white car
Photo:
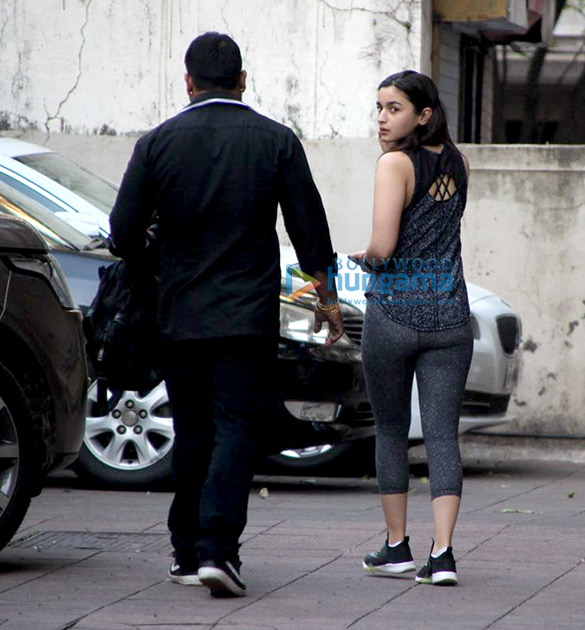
(324, 410)
(495, 365)
(67, 190)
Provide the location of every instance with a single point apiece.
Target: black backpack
(121, 332)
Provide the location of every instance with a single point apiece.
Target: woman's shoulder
(395, 161)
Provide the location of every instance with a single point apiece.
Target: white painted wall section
(105, 67)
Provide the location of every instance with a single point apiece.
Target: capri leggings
(392, 354)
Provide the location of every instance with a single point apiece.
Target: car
(322, 409)
(67, 190)
(43, 376)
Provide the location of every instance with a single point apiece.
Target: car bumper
(57, 348)
(320, 401)
(70, 392)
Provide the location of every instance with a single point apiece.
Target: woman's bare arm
(392, 188)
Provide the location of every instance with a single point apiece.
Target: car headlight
(296, 324)
(297, 319)
(48, 268)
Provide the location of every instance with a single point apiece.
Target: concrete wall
(523, 235)
(106, 67)
(523, 238)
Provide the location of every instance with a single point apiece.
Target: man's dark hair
(214, 61)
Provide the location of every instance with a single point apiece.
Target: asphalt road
(97, 560)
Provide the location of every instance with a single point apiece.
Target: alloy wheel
(136, 432)
(9, 456)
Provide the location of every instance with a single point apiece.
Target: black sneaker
(440, 571)
(181, 576)
(390, 561)
(222, 578)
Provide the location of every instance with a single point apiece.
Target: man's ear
(242, 81)
(425, 116)
(190, 84)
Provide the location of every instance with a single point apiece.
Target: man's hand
(335, 324)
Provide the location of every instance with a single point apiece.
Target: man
(213, 175)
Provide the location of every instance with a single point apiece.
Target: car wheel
(314, 459)
(17, 456)
(132, 444)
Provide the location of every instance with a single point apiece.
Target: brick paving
(96, 560)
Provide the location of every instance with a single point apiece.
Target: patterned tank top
(422, 285)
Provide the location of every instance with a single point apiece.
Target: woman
(417, 319)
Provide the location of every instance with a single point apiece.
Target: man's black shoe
(182, 576)
(222, 578)
(390, 561)
(439, 571)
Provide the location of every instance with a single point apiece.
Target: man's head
(213, 61)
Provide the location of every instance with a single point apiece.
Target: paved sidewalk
(97, 560)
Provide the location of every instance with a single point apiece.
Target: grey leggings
(392, 354)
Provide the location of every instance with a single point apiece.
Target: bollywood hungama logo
(294, 272)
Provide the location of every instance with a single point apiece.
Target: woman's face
(397, 117)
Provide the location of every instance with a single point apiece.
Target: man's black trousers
(220, 390)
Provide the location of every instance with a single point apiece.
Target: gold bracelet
(327, 308)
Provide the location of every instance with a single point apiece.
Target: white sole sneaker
(188, 579)
(439, 570)
(220, 583)
(444, 578)
(389, 570)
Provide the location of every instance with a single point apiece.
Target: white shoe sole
(444, 578)
(219, 583)
(389, 570)
(441, 578)
(186, 580)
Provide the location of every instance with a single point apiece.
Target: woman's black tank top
(422, 285)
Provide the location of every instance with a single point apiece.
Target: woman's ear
(425, 116)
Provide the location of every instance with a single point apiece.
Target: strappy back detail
(439, 176)
(443, 188)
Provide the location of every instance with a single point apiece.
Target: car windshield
(91, 187)
(56, 232)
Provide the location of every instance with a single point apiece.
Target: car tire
(17, 456)
(131, 445)
(344, 458)
(100, 474)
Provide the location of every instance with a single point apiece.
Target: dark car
(43, 376)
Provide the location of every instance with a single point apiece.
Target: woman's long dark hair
(421, 92)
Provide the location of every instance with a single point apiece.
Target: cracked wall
(113, 68)
(313, 64)
(523, 232)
